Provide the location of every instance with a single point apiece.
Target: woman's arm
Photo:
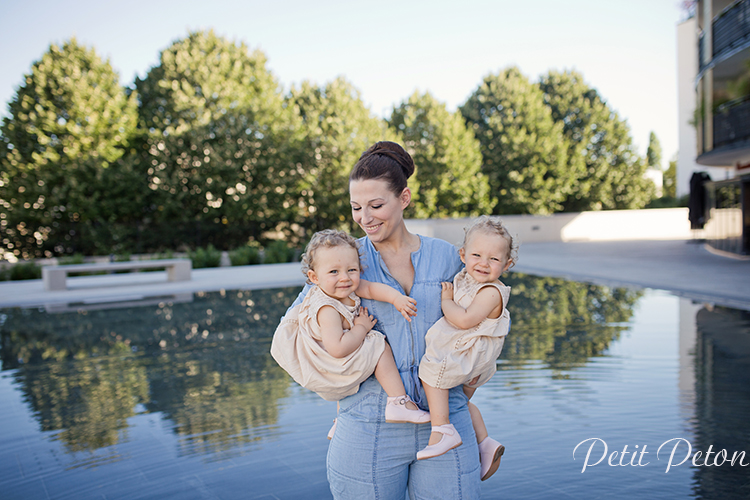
(487, 300)
(384, 293)
(338, 343)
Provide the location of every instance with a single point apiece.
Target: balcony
(727, 229)
(732, 123)
(731, 28)
(730, 33)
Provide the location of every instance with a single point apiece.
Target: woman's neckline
(417, 243)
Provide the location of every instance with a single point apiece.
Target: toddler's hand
(406, 306)
(447, 292)
(365, 319)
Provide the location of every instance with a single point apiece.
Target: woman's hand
(447, 291)
(407, 306)
(364, 319)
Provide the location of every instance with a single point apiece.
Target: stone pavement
(682, 267)
(135, 288)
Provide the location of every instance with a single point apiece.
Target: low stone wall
(606, 225)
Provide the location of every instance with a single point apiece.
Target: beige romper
(297, 347)
(454, 356)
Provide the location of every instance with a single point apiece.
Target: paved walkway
(682, 267)
(144, 287)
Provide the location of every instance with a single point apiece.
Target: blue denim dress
(371, 459)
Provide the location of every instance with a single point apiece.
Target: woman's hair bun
(395, 152)
(387, 161)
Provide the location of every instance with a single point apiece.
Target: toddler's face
(486, 256)
(336, 271)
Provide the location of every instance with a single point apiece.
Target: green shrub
(73, 259)
(77, 259)
(244, 256)
(25, 271)
(668, 202)
(277, 252)
(4, 274)
(122, 258)
(205, 257)
(169, 254)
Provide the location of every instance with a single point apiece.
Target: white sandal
(450, 439)
(490, 452)
(332, 430)
(397, 412)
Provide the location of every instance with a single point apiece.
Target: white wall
(687, 70)
(605, 225)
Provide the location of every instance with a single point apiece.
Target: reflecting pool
(181, 399)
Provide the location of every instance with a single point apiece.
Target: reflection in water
(723, 401)
(216, 396)
(198, 379)
(205, 365)
(89, 400)
(562, 322)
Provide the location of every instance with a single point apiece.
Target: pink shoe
(490, 452)
(332, 430)
(396, 412)
(451, 439)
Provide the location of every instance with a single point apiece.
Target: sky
(625, 49)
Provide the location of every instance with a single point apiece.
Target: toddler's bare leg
(476, 416)
(439, 410)
(386, 372)
(477, 422)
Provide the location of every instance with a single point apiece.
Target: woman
(366, 457)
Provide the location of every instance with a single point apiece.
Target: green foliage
(69, 124)
(338, 128)
(277, 252)
(524, 151)
(244, 256)
(670, 179)
(207, 150)
(221, 145)
(653, 152)
(448, 181)
(205, 257)
(609, 174)
(25, 271)
(73, 259)
(169, 254)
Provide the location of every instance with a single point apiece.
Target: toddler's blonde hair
(327, 238)
(491, 224)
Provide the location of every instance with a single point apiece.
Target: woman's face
(376, 209)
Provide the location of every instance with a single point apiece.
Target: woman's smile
(375, 208)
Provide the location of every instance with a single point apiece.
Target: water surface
(182, 400)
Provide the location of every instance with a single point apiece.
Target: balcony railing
(732, 122)
(726, 229)
(731, 28)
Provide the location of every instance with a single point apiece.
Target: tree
(338, 128)
(670, 179)
(69, 125)
(524, 151)
(448, 181)
(222, 149)
(653, 153)
(609, 172)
